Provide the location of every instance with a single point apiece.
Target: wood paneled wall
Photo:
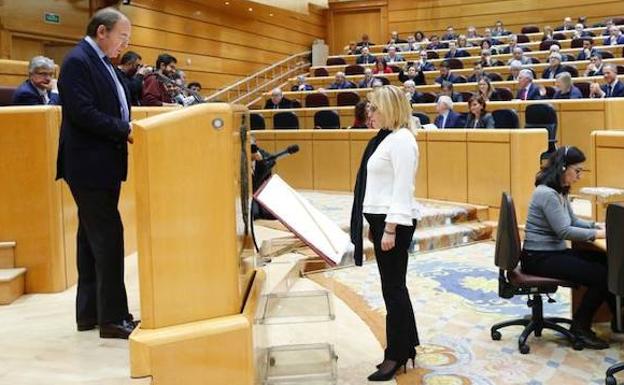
(407, 16)
(214, 45)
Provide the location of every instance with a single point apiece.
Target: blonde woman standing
(384, 193)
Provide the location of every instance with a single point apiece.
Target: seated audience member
(582, 20)
(588, 49)
(471, 32)
(365, 42)
(393, 56)
(518, 55)
(367, 82)
(365, 57)
(462, 42)
(195, 87)
(608, 25)
(455, 52)
(487, 36)
(410, 91)
(526, 89)
(514, 70)
(550, 224)
(595, 66)
(40, 88)
(548, 33)
(435, 43)
(450, 34)
(446, 75)
(302, 85)
(568, 25)
(420, 37)
(615, 37)
(132, 72)
(155, 91)
(512, 44)
(477, 73)
(413, 74)
(377, 83)
(447, 118)
(424, 64)
(579, 32)
(486, 90)
(446, 89)
(395, 39)
(352, 48)
(487, 44)
(613, 88)
(565, 88)
(412, 45)
(499, 29)
(277, 101)
(477, 116)
(486, 58)
(361, 115)
(555, 48)
(341, 82)
(381, 67)
(554, 67)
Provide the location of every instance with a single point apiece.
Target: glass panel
(300, 364)
(297, 307)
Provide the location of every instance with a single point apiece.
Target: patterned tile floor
(454, 293)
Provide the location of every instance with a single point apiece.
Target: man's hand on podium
(130, 135)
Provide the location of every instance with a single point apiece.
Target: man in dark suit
(277, 101)
(424, 64)
(595, 66)
(93, 160)
(446, 75)
(365, 57)
(526, 89)
(455, 52)
(40, 88)
(613, 88)
(555, 67)
(132, 72)
(615, 37)
(587, 51)
(447, 118)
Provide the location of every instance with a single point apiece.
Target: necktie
(609, 90)
(523, 94)
(444, 121)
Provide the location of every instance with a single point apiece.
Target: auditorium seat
(316, 100)
(534, 60)
(559, 36)
(428, 97)
(327, 119)
(583, 87)
(504, 93)
(568, 57)
(543, 115)
(530, 29)
(576, 43)
(618, 20)
(6, 95)
(545, 45)
(493, 76)
(455, 64)
(384, 80)
(296, 104)
(523, 38)
(334, 61)
(571, 70)
(347, 99)
(285, 120)
(620, 69)
(432, 55)
(395, 69)
(256, 121)
(550, 91)
(506, 118)
(606, 55)
(354, 69)
(461, 79)
(320, 72)
(423, 118)
(466, 95)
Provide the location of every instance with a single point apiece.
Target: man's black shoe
(120, 329)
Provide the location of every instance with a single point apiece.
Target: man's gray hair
(276, 91)
(555, 55)
(612, 66)
(565, 78)
(409, 83)
(446, 100)
(107, 17)
(526, 73)
(40, 62)
(515, 64)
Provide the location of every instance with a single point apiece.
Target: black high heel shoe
(412, 358)
(387, 374)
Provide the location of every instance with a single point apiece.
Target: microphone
(289, 150)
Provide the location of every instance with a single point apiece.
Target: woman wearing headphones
(550, 223)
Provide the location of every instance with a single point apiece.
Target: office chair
(316, 99)
(615, 258)
(512, 281)
(285, 120)
(506, 118)
(423, 118)
(543, 116)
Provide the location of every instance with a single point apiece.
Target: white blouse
(391, 171)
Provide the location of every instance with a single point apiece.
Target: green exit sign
(51, 18)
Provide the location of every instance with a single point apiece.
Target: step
(450, 236)
(11, 284)
(7, 255)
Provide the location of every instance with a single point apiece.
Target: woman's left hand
(387, 241)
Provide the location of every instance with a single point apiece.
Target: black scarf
(357, 222)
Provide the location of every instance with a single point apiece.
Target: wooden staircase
(11, 277)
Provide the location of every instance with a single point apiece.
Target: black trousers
(401, 332)
(101, 295)
(586, 268)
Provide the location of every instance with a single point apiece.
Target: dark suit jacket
(618, 90)
(486, 121)
(549, 70)
(27, 95)
(426, 66)
(450, 78)
(284, 103)
(458, 53)
(362, 59)
(607, 40)
(533, 93)
(419, 79)
(134, 85)
(93, 150)
(582, 56)
(574, 93)
(453, 120)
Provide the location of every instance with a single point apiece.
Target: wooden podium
(198, 285)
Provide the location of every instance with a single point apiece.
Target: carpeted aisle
(454, 293)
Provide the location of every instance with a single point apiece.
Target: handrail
(245, 89)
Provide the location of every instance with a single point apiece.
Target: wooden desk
(603, 314)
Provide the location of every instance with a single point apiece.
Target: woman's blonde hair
(393, 105)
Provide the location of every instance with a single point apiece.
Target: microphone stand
(198, 98)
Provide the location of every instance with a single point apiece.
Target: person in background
(486, 90)
(477, 73)
(518, 55)
(381, 67)
(377, 83)
(384, 193)
(302, 85)
(550, 223)
(40, 88)
(411, 93)
(393, 56)
(395, 39)
(463, 43)
(447, 118)
(132, 72)
(487, 36)
(413, 74)
(411, 45)
(367, 82)
(352, 48)
(450, 34)
(489, 45)
(514, 70)
(565, 88)
(616, 37)
(471, 32)
(554, 67)
(555, 48)
(420, 37)
(613, 88)
(595, 66)
(361, 115)
(477, 116)
(365, 42)
(154, 85)
(486, 58)
(195, 87)
(424, 64)
(455, 52)
(446, 89)
(579, 32)
(341, 82)
(588, 49)
(547, 33)
(568, 25)
(526, 89)
(446, 75)
(365, 57)
(499, 29)
(277, 101)
(435, 43)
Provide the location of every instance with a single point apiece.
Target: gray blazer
(486, 121)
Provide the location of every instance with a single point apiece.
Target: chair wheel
(496, 336)
(578, 345)
(524, 349)
(610, 380)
